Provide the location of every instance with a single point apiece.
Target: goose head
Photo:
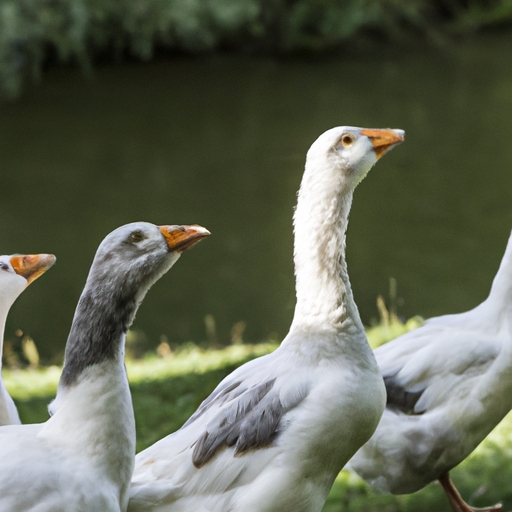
(18, 271)
(127, 263)
(341, 157)
(134, 256)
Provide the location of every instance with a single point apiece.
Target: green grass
(166, 391)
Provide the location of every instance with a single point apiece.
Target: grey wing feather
(392, 357)
(250, 421)
(259, 428)
(399, 398)
(421, 368)
(219, 396)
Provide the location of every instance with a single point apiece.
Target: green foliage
(390, 326)
(325, 24)
(383, 332)
(77, 31)
(165, 391)
(34, 32)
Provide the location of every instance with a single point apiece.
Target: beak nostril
(174, 227)
(180, 237)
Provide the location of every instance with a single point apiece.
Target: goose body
(16, 273)
(275, 433)
(449, 383)
(81, 459)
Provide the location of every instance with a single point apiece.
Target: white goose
(275, 433)
(81, 459)
(16, 273)
(449, 383)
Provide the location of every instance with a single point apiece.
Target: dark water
(221, 142)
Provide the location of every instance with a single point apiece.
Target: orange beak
(31, 266)
(383, 140)
(179, 238)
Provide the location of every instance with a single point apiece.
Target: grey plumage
(91, 343)
(219, 396)
(111, 298)
(251, 420)
(399, 398)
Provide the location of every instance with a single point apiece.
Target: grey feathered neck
(114, 289)
(103, 315)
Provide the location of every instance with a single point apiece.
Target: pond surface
(221, 142)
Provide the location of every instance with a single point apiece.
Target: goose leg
(456, 501)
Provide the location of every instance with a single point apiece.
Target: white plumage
(449, 384)
(16, 273)
(274, 434)
(81, 459)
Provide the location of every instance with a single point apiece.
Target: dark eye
(347, 140)
(137, 236)
(4, 266)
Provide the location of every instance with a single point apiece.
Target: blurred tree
(35, 32)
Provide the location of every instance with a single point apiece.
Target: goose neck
(324, 294)
(8, 412)
(3, 318)
(5, 305)
(92, 414)
(500, 296)
(97, 333)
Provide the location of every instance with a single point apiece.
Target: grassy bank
(167, 390)
(34, 33)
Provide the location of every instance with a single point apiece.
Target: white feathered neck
(501, 289)
(11, 289)
(93, 415)
(324, 294)
(495, 312)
